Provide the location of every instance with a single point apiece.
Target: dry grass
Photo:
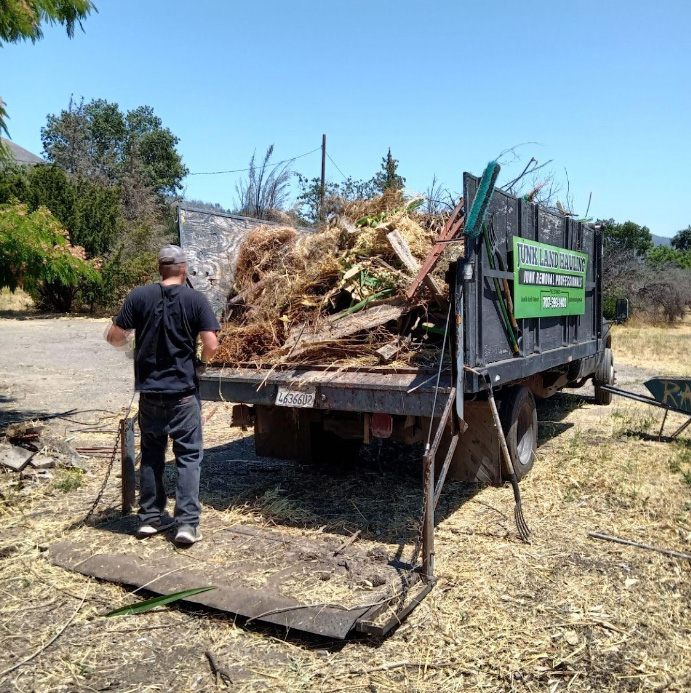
(665, 348)
(308, 276)
(19, 301)
(564, 613)
(262, 254)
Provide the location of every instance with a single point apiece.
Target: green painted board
(672, 392)
(547, 280)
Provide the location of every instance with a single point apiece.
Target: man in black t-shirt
(166, 319)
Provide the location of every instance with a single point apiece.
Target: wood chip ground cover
(564, 613)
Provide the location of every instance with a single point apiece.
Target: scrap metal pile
(340, 295)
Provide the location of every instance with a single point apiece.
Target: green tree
(662, 257)
(5, 156)
(22, 20)
(155, 146)
(13, 182)
(627, 236)
(91, 213)
(682, 240)
(98, 142)
(388, 178)
(335, 194)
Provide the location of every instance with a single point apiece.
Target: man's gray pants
(160, 417)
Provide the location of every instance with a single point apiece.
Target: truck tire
(519, 421)
(604, 375)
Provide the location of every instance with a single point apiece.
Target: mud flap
(477, 457)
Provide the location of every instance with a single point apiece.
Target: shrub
(36, 253)
(658, 286)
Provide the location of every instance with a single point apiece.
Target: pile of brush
(337, 295)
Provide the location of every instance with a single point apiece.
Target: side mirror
(621, 310)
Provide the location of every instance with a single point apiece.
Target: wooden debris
(388, 352)
(336, 326)
(288, 282)
(218, 671)
(239, 298)
(40, 461)
(350, 540)
(402, 250)
(451, 231)
(24, 430)
(207, 416)
(342, 222)
(58, 447)
(397, 665)
(14, 457)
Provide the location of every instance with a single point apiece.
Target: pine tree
(388, 178)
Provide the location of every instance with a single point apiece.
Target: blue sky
(602, 88)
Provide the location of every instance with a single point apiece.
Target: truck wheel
(604, 375)
(519, 421)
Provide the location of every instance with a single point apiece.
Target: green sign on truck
(548, 280)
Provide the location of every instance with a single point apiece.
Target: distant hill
(206, 206)
(661, 240)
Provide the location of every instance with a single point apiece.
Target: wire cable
(249, 168)
(439, 372)
(336, 165)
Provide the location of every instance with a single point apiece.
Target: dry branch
(350, 540)
(638, 545)
(218, 671)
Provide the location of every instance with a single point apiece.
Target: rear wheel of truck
(604, 375)
(519, 421)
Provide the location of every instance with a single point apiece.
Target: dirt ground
(564, 613)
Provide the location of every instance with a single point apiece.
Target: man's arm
(123, 325)
(209, 345)
(117, 337)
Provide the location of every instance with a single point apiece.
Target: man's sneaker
(148, 529)
(187, 534)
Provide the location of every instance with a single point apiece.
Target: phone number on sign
(554, 301)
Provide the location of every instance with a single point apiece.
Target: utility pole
(323, 182)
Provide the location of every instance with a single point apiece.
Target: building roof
(21, 155)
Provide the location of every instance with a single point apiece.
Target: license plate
(303, 397)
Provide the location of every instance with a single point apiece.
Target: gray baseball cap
(171, 255)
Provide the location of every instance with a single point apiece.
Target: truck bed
(401, 391)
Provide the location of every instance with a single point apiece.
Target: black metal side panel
(544, 342)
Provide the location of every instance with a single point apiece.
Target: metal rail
(430, 494)
(650, 400)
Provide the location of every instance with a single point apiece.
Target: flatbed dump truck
(552, 266)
